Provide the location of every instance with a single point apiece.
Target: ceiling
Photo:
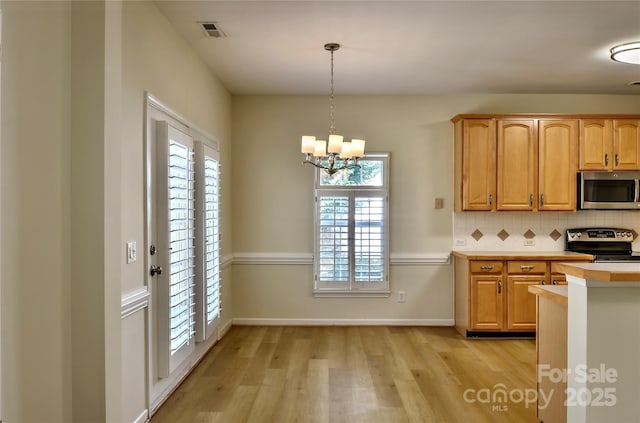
(413, 47)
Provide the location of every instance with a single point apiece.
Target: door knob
(155, 270)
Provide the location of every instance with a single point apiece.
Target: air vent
(212, 29)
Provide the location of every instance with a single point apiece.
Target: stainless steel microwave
(609, 190)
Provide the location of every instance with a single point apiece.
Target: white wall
(273, 204)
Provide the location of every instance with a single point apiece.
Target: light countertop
(604, 272)
(555, 293)
(522, 255)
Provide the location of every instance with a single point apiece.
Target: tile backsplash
(526, 231)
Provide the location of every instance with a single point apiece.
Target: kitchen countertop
(604, 272)
(555, 293)
(522, 255)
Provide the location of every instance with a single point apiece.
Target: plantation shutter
(209, 262)
(176, 247)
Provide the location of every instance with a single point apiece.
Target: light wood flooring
(355, 374)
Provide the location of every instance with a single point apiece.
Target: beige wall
(158, 60)
(35, 270)
(273, 206)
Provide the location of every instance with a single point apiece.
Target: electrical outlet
(460, 242)
(402, 296)
(529, 242)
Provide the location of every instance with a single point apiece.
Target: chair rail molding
(134, 301)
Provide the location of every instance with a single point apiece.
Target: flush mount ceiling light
(627, 53)
(342, 154)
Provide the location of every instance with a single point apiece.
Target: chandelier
(337, 154)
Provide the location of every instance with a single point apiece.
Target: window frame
(352, 287)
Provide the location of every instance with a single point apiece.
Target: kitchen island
(602, 372)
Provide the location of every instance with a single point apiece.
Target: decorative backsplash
(526, 231)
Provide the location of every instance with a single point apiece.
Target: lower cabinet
(493, 298)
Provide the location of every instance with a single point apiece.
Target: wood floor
(356, 374)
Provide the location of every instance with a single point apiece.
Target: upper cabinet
(517, 151)
(478, 163)
(609, 144)
(510, 163)
(557, 164)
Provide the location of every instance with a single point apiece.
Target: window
(351, 239)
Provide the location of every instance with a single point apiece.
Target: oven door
(609, 190)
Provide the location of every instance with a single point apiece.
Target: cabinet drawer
(527, 266)
(486, 266)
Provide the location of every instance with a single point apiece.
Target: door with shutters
(175, 249)
(182, 208)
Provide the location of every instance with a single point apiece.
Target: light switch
(131, 252)
(438, 203)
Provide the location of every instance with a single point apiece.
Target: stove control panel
(600, 234)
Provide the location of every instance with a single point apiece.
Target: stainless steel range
(605, 244)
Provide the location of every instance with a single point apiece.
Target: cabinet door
(516, 165)
(479, 164)
(558, 279)
(626, 144)
(557, 164)
(596, 144)
(487, 302)
(521, 304)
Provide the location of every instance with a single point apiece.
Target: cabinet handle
(526, 267)
(487, 267)
(554, 282)
(606, 159)
(542, 282)
(617, 160)
(499, 286)
(530, 200)
(542, 199)
(490, 199)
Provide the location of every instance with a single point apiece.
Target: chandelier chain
(332, 126)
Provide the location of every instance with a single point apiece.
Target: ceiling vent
(212, 29)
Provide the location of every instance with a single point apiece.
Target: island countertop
(522, 255)
(604, 272)
(555, 293)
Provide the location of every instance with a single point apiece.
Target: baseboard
(223, 329)
(143, 417)
(342, 322)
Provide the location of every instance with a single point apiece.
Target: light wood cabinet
(516, 165)
(609, 144)
(626, 144)
(557, 164)
(487, 302)
(492, 296)
(477, 162)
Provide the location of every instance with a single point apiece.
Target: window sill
(351, 294)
